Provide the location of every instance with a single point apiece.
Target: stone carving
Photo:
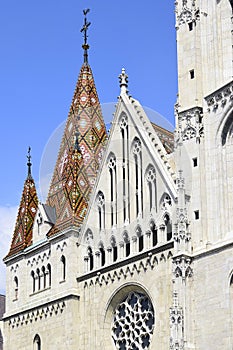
(38, 314)
(133, 323)
(182, 267)
(190, 124)
(220, 97)
(176, 325)
(189, 13)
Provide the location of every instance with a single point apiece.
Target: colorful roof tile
(22, 236)
(85, 116)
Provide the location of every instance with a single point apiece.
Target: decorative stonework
(40, 313)
(182, 267)
(39, 258)
(190, 124)
(189, 13)
(176, 325)
(130, 270)
(133, 323)
(220, 98)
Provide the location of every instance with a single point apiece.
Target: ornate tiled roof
(22, 236)
(85, 116)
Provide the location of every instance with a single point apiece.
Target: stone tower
(133, 248)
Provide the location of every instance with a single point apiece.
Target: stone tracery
(133, 322)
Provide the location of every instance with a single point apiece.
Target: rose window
(133, 323)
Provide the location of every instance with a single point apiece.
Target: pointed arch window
(91, 258)
(37, 343)
(43, 277)
(168, 226)
(33, 282)
(140, 238)
(16, 288)
(102, 254)
(38, 279)
(49, 274)
(154, 232)
(63, 267)
(123, 122)
(113, 188)
(114, 248)
(101, 209)
(152, 186)
(127, 243)
(137, 151)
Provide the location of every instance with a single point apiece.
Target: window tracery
(151, 180)
(137, 151)
(100, 200)
(113, 188)
(133, 322)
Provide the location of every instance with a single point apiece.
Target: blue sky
(40, 56)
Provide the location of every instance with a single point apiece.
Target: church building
(133, 248)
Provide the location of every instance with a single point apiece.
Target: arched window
(49, 274)
(165, 202)
(44, 276)
(113, 188)
(16, 286)
(91, 258)
(38, 279)
(151, 180)
(114, 248)
(137, 151)
(168, 226)
(154, 232)
(127, 243)
(101, 209)
(102, 254)
(33, 282)
(37, 343)
(63, 267)
(140, 238)
(123, 122)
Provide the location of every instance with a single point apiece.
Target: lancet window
(63, 267)
(37, 343)
(123, 122)
(127, 243)
(168, 226)
(16, 287)
(102, 254)
(140, 238)
(101, 210)
(137, 151)
(113, 188)
(41, 278)
(90, 258)
(151, 180)
(114, 248)
(154, 233)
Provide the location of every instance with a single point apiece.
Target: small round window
(133, 323)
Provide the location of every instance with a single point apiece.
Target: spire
(22, 236)
(84, 30)
(29, 164)
(86, 126)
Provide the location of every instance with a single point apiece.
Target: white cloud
(7, 223)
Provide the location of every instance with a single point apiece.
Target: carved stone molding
(176, 324)
(220, 98)
(182, 267)
(190, 124)
(187, 13)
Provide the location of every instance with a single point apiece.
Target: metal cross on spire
(29, 164)
(84, 29)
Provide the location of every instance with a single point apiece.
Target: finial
(29, 164)
(123, 79)
(84, 29)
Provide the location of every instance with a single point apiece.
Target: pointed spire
(123, 79)
(29, 164)
(22, 236)
(84, 30)
(84, 132)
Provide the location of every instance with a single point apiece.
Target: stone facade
(150, 265)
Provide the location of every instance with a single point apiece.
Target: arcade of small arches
(127, 246)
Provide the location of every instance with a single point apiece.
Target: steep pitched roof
(85, 117)
(22, 236)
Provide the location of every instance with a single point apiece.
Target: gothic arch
(37, 342)
(227, 130)
(118, 298)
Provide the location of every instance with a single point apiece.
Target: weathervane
(29, 164)
(84, 29)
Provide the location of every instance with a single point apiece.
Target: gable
(135, 190)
